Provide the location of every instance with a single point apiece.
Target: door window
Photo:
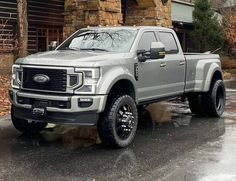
(146, 40)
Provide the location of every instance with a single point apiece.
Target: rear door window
(169, 41)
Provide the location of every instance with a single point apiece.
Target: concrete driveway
(184, 149)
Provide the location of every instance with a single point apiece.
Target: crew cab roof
(127, 27)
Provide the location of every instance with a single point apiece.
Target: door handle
(163, 65)
(181, 63)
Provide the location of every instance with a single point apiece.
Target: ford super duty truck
(100, 77)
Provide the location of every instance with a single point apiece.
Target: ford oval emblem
(41, 79)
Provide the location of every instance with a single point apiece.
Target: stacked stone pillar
(83, 13)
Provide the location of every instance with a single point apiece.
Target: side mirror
(52, 46)
(157, 50)
(142, 55)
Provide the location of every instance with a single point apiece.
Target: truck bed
(194, 67)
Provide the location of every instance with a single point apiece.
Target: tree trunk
(22, 27)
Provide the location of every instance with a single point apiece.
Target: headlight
(16, 76)
(91, 78)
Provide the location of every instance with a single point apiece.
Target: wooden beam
(146, 3)
(22, 27)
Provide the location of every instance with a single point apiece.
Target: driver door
(152, 73)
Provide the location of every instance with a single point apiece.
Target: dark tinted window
(169, 41)
(146, 40)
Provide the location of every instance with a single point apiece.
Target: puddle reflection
(154, 146)
(159, 116)
(166, 136)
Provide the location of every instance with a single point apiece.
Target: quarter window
(146, 40)
(169, 41)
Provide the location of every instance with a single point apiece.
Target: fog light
(20, 100)
(85, 102)
(63, 104)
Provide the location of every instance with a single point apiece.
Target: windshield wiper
(94, 49)
(72, 48)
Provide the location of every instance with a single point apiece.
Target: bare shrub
(229, 21)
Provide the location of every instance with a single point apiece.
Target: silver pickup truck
(100, 76)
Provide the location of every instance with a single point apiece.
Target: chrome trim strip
(42, 97)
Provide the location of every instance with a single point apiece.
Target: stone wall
(82, 13)
(148, 13)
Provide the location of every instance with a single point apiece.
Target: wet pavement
(185, 149)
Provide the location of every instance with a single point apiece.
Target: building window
(47, 35)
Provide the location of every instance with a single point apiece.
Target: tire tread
(105, 124)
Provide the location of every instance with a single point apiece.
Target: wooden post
(22, 27)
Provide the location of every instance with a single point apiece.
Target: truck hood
(69, 58)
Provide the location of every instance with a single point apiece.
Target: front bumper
(73, 114)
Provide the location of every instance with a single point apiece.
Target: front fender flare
(112, 77)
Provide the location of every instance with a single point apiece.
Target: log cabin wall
(46, 22)
(8, 24)
(8, 35)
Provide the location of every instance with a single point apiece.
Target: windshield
(112, 40)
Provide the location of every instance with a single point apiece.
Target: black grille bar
(57, 83)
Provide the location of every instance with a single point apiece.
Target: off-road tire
(214, 100)
(196, 104)
(107, 124)
(25, 126)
